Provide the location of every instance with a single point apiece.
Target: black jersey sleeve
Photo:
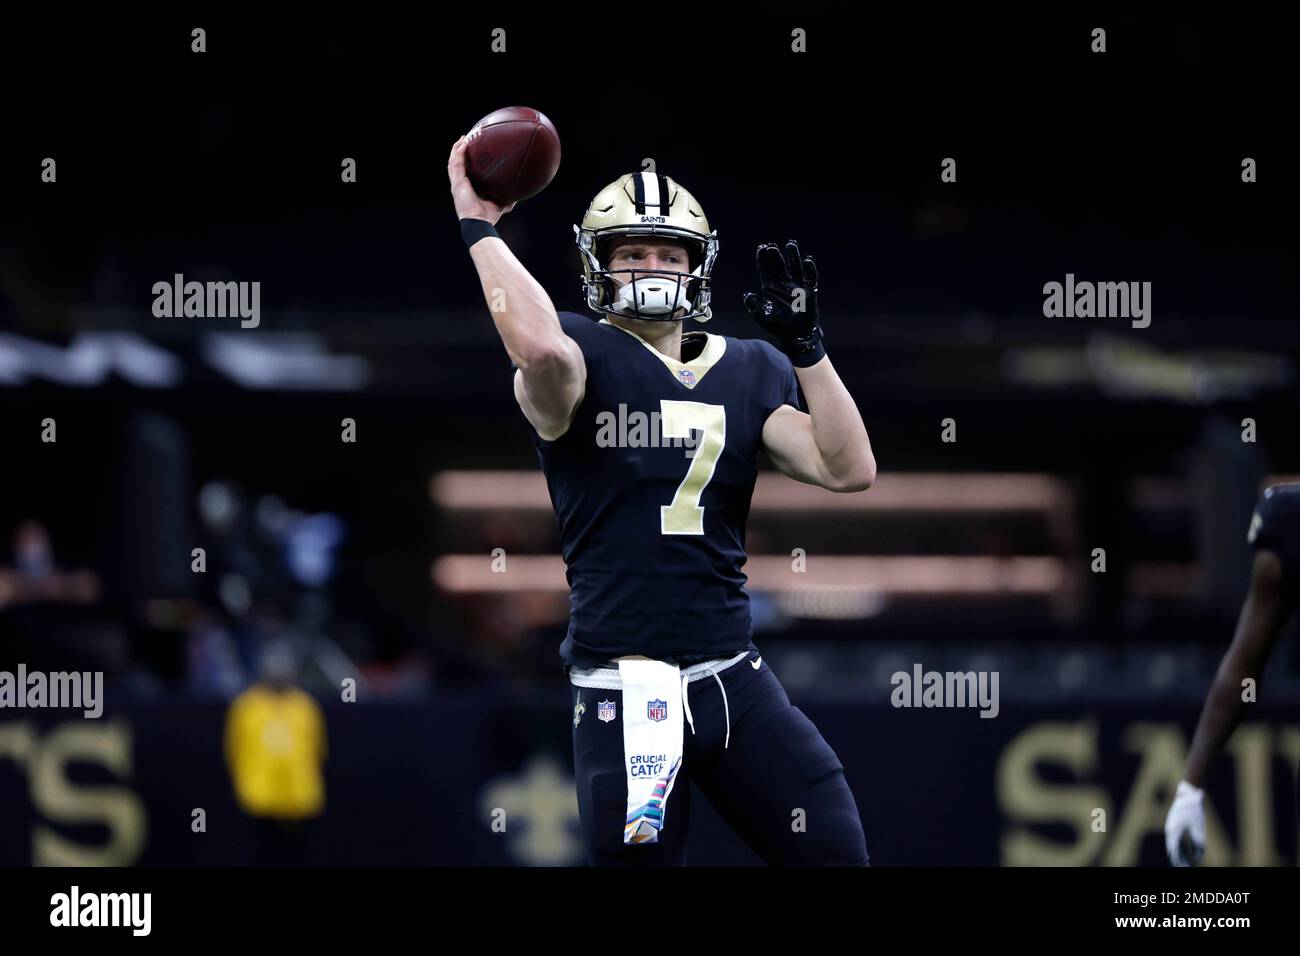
(1275, 526)
(777, 370)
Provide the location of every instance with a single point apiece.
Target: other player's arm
(1265, 610)
(551, 372)
(828, 445)
(1262, 615)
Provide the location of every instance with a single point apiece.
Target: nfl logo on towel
(605, 710)
(657, 709)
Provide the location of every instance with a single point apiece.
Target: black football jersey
(651, 486)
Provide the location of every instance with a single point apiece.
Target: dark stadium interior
(1071, 433)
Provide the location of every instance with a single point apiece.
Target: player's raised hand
(469, 204)
(1185, 826)
(786, 305)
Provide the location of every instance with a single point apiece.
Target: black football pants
(774, 779)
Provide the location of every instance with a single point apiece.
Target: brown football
(512, 155)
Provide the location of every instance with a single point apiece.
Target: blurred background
(348, 614)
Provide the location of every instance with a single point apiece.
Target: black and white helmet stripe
(650, 189)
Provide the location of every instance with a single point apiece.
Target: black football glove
(794, 324)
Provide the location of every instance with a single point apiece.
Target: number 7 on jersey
(676, 420)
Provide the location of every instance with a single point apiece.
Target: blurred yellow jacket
(275, 746)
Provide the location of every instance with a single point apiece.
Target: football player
(652, 519)
(1274, 587)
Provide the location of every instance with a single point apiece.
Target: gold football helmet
(647, 204)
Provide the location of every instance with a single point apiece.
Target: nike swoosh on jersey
(755, 664)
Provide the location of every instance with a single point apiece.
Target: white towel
(652, 743)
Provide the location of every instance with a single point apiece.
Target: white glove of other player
(1185, 826)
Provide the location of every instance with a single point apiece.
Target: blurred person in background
(35, 577)
(275, 745)
(52, 617)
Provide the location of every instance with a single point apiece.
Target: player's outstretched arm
(1262, 615)
(551, 373)
(828, 444)
(828, 447)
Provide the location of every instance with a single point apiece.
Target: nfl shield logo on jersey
(686, 375)
(605, 711)
(657, 709)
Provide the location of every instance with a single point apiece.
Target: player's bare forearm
(843, 446)
(551, 376)
(826, 446)
(1261, 619)
(522, 311)
(1222, 712)
(520, 308)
